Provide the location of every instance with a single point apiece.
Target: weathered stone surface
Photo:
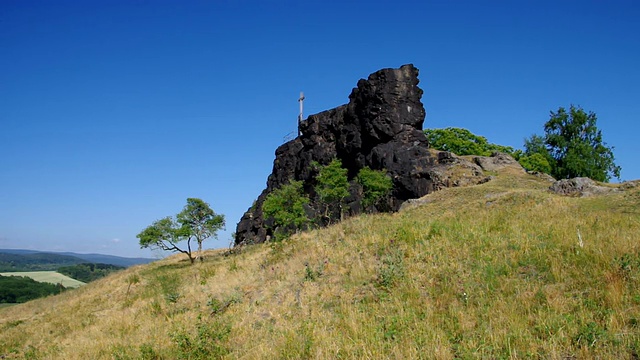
(543, 176)
(580, 186)
(498, 161)
(380, 127)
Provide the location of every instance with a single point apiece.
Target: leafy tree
(576, 145)
(535, 162)
(333, 185)
(196, 221)
(463, 142)
(164, 234)
(375, 185)
(286, 206)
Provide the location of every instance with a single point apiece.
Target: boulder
(580, 186)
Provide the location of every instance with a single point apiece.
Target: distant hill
(35, 261)
(25, 260)
(110, 259)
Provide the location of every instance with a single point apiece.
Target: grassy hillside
(500, 270)
(52, 277)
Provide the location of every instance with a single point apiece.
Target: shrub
(285, 206)
(375, 185)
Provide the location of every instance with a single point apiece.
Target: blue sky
(112, 113)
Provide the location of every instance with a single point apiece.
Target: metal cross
(300, 100)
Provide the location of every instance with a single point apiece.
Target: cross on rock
(301, 101)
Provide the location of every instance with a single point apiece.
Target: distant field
(53, 277)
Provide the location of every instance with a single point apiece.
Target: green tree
(535, 162)
(375, 185)
(196, 222)
(286, 206)
(333, 185)
(463, 142)
(536, 157)
(575, 146)
(199, 221)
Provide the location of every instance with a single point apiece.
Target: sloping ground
(52, 277)
(505, 269)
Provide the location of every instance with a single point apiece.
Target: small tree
(333, 185)
(375, 186)
(285, 206)
(164, 234)
(196, 221)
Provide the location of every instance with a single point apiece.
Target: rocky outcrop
(580, 186)
(499, 162)
(380, 127)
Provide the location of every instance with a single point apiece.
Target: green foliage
(286, 206)
(164, 234)
(535, 162)
(463, 142)
(196, 221)
(148, 353)
(333, 185)
(536, 157)
(391, 269)
(589, 334)
(575, 144)
(375, 185)
(311, 274)
(219, 306)
(208, 342)
(88, 272)
(19, 289)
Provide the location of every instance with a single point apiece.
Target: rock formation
(380, 127)
(579, 187)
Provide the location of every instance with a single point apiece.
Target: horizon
(113, 114)
(75, 252)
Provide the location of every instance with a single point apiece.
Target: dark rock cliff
(380, 127)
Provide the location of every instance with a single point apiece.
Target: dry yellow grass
(490, 271)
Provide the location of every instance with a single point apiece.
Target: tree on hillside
(574, 147)
(285, 208)
(332, 186)
(463, 142)
(196, 222)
